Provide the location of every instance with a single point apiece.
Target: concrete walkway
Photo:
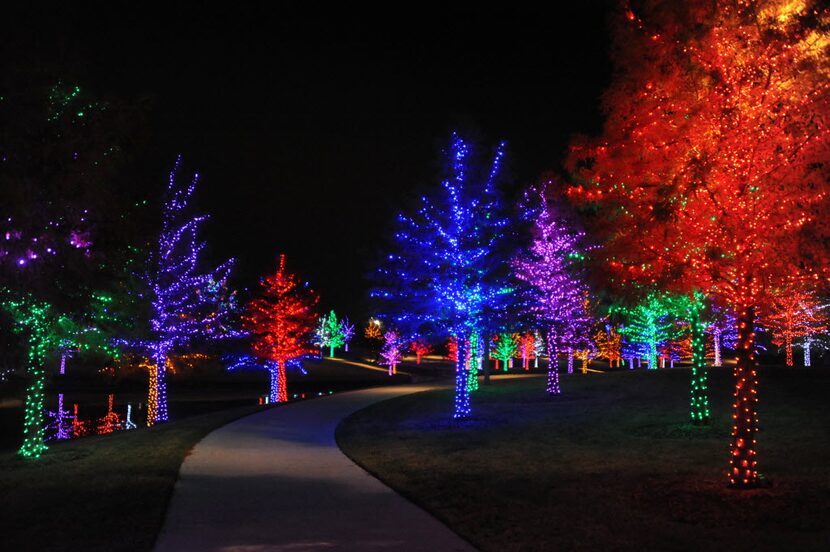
(276, 481)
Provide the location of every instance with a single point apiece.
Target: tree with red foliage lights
(711, 173)
(282, 322)
(420, 347)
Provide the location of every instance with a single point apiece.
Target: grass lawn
(609, 465)
(106, 492)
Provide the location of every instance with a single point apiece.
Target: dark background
(312, 128)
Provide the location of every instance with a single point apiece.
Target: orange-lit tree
(281, 322)
(795, 313)
(608, 343)
(712, 170)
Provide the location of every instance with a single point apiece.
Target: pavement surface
(277, 481)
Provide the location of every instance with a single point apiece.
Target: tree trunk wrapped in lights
(743, 471)
(552, 385)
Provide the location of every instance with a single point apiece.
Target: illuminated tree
(391, 351)
(712, 169)
(584, 355)
(721, 322)
(420, 347)
(47, 332)
(443, 277)
(329, 333)
(281, 325)
(186, 304)
(60, 424)
(538, 348)
(527, 342)
(60, 147)
(609, 345)
(555, 293)
(111, 421)
(649, 322)
(504, 348)
(795, 313)
(373, 331)
(347, 331)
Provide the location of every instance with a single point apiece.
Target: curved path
(277, 481)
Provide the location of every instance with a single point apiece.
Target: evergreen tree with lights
(281, 325)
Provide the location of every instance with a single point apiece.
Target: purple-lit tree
(347, 331)
(187, 304)
(391, 351)
(555, 295)
(444, 276)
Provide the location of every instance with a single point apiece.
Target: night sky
(312, 129)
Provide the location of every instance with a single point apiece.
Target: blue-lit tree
(187, 304)
(555, 295)
(445, 275)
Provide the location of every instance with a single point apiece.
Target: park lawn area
(611, 464)
(107, 492)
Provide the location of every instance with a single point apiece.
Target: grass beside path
(609, 465)
(105, 493)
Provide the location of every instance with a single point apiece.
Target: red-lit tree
(794, 313)
(282, 322)
(712, 170)
(420, 347)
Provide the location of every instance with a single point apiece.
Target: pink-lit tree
(391, 351)
(555, 293)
